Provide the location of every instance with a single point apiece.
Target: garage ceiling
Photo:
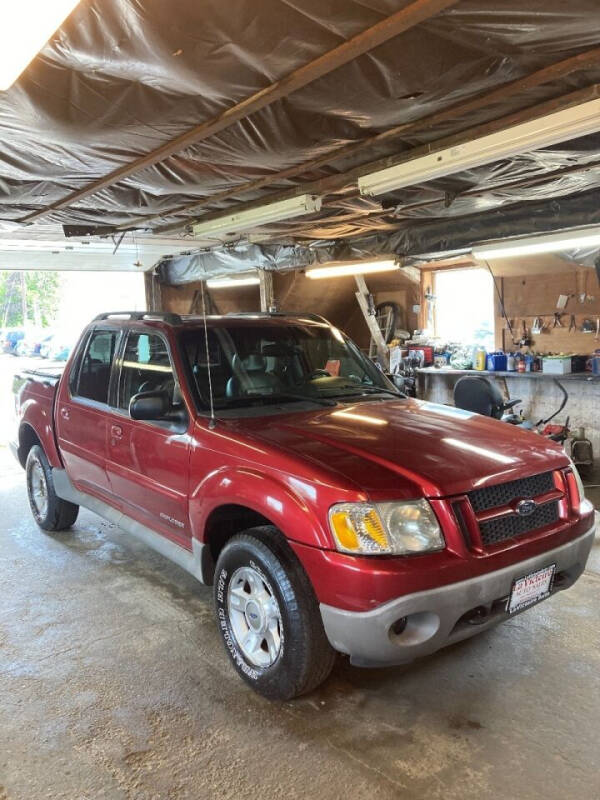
(148, 115)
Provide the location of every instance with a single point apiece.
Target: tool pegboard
(535, 298)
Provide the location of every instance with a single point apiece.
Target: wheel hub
(254, 616)
(39, 489)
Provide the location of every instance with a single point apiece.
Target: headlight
(385, 528)
(578, 480)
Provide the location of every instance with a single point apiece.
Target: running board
(191, 562)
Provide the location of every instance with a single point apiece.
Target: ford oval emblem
(526, 507)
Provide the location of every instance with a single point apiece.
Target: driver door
(148, 461)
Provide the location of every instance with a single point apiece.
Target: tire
(294, 655)
(49, 511)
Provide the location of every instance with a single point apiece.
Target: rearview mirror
(149, 405)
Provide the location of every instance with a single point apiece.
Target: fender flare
(38, 420)
(277, 502)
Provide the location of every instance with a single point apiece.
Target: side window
(94, 372)
(146, 368)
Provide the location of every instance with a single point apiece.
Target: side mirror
(149, 405)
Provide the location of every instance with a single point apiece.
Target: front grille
(501, 528)
(502, 494)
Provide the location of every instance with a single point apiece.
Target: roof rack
(163, 316)
(307, 314)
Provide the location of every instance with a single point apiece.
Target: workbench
(539, 394)
(425, 372)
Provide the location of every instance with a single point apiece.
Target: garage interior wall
(530, 288)
(332, 298)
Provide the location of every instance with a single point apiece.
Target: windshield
(263, 364)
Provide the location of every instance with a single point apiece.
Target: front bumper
(438, 617)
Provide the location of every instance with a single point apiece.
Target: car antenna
(213, 422)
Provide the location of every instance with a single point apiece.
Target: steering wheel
(319, 373)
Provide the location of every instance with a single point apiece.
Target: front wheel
(49, 511)
(268, 616)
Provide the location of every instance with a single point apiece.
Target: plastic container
(479, 359)
(557, 366)
(496, 362)
(511, 364)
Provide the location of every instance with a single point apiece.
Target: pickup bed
(268, 457)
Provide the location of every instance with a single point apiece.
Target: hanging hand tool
(557, 322)
(525, 340)
(572, 324)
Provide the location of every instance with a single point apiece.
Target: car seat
(250, 377)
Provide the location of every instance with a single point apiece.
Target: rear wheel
(49, 511)
(269, 617)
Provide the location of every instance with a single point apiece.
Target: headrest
(278, 349)
(253, 362)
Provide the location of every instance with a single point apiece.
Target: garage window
(464, 306)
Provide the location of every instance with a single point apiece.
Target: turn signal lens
(344, 532)
(357, 528)
(374, 529)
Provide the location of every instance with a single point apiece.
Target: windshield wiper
(268, 399)
(376, 390)
(368, 390)
(322, 401)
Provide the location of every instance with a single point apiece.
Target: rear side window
(94, 373)
(146, 368)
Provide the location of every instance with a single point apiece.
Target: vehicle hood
(408, 447)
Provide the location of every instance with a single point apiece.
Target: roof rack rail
(163, 316)
(307, 314)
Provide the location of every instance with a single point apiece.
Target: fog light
(399, 626)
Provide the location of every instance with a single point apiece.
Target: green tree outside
(28, 298)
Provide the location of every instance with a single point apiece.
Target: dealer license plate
(531, 589)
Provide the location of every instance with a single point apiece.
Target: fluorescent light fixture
(544, 243)
(355, 268)
(543, 132)
(26, 27)
(227, 283)
(275, 212)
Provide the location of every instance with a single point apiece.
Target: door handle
(116, 431)
(64, 412)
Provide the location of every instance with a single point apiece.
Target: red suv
(268, 456)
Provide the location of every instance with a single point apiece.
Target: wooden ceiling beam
(338, 182)
(413, 14)
(553, 72)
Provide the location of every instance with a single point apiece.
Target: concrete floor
(113, 684)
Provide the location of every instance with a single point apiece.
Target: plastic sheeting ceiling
(123, 77)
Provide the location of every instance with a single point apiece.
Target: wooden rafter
(506, 91)
(339, 182)
(413, 14)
